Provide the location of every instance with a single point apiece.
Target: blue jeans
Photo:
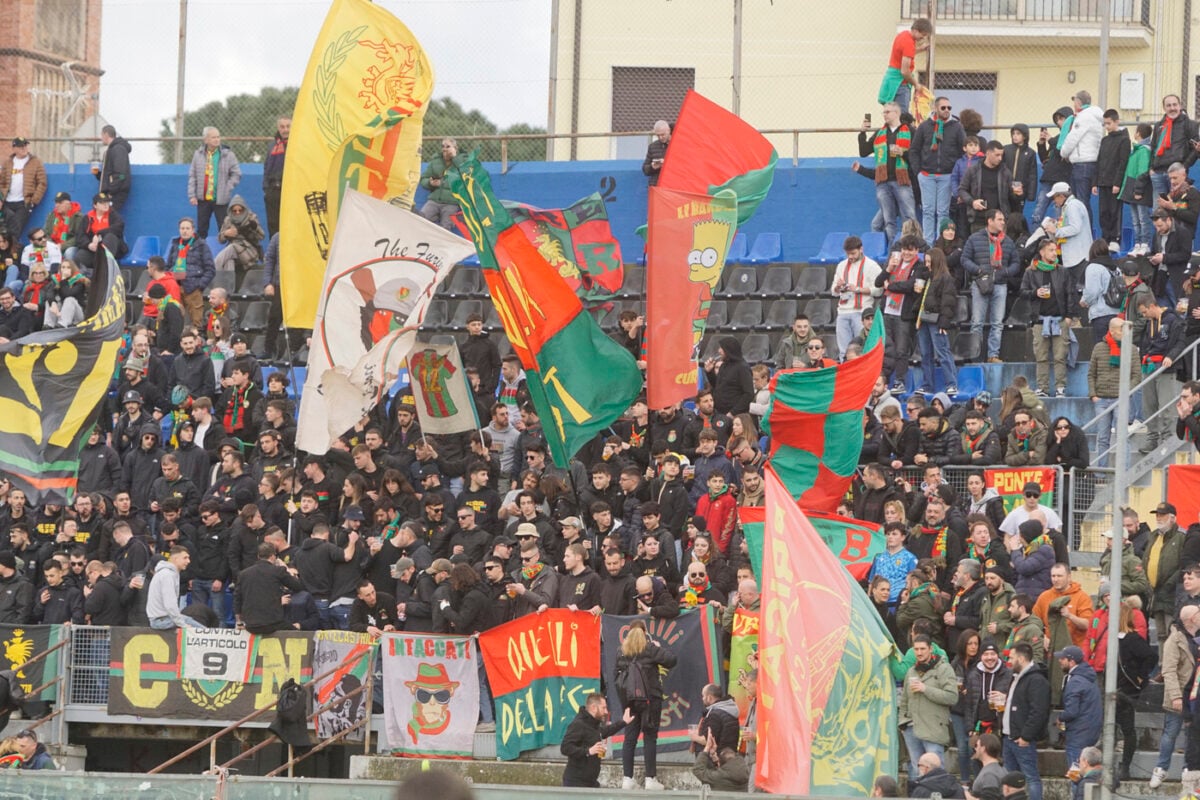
(486, 710)
(962, 742)
(1024, 760)
(12, 279)
(322, 612)
(934, 343)
(1172, 725)
(1160, 183)
(848, 326)
(1083, 180)
(202, 592)
(897, 204)
(1143, 229)
(919, 747)
(903, 96)
(1045, 206)
(989, 310)
(339, 617)
(935, 204)
(1104, 405)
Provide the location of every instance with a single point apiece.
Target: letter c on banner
(144, 695)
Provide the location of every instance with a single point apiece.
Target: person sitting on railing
(1162, 342)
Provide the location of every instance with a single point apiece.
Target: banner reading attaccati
(540, 667)
(431, 695)
(145, 670)
(357, 125)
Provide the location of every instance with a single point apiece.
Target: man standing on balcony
(901, 75)
(1079, 143)
(1171, 142)
(936, 145)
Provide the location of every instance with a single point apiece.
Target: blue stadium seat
(143, 248)
(471, 260)
(767, 247)
(831, 248)
(737, 250)
(875, 245)
(215, 245)
(970, 380)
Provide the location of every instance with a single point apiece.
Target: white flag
(384, 266)
(440, 389)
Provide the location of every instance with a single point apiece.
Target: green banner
(853, 541)
(19, 643)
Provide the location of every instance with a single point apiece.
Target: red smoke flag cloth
(580, 380)
(713, 149)
(816, 424)
(826, 703)
(690, 236)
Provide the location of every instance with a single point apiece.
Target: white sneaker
(652, 785)
(1113, 247)
(1157, 777)
(627, 784)
(1136, 427)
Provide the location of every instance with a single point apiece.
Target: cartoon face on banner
(431, 695)
(431, 692)
(369, 301)
(348, 708)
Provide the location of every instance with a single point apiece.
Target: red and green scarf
(1114, 350)
(180, 264)
(939, 544)
(532, 571)
(904, 141)
(235, 412)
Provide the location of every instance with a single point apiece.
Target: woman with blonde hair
(10, 756)
(639, 686)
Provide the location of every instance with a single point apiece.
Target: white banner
(349, 650)
(216, 654)
(430, 696)
(384, 266)
(440, 389)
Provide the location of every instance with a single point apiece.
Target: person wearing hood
(1022, 163)
(162, 603)
(989, 674)
(1082, 716)
(1066, 611)
(243, 236)
(720, 719)
(1054, 167)
(1026, 712)
(932, 779)
(480, 352)
(142, 465)
(718, 507)
(930, 689)
(212, 176)
(1079, 144)
(583, 742)
(730, 377)
(114, 173)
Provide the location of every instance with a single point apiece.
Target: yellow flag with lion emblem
(357, 125)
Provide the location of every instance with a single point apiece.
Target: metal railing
(1123, 12)
(956, 476)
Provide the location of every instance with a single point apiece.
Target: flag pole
(291, 361)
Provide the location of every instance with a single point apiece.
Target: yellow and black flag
(52, 383)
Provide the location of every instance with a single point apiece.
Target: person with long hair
(641, 653)
(354, 493)
(1137, 660)
(894, 511)
(880, 592)
(397, 488)
(966, 656)
(937, 312)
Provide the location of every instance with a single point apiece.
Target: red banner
(1009, 483)
(1183, 492)
(689, 237)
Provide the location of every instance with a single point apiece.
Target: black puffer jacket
(733, 386)
(943, 446)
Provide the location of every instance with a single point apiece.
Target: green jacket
(1031, 631)
(1167, 578)
(929, 711)
(437, 168)
(1133, 573)
(733, 776)
(924, 602)
(901, 666)
(1104, 379)
(995, 609)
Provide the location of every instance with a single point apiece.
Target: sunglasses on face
(436, 510)
(441, 696)
(1032, 494)
(816, 347)
(38, 239)
(465, 516)
(1062, 427)
(943, 108)
(695, 574)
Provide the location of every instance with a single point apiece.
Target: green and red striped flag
(579, 379)
(816, 424)
(855, 542)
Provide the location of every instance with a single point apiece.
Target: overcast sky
(487, 54)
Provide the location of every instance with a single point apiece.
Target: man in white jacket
(1072, 229)
(162, 604)
(1080, 145)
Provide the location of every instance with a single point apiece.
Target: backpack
(1115, 291)
(631, 683)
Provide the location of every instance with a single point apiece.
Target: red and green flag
(854, 542)
(826, 701)
(713, 149)
(580, 380)
(690, 235)
(816, 424)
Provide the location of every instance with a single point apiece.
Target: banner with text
(431, 695)
(540, 667)
(351, 651)
(1010, 482)
(146, 676)
(743, 645)
(216, 654)
(692, 637)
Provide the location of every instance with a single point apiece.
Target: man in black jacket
(720, 719)
(102, 597)
(1170, 251)
(373, 612)
(58, 602)
(1161, 344)
(730, 377)
(937, 144)
(970, 596)
(1026, 711)
(260, 596)
(617, 592)
(583, 743)
(210, 567)
(316, 561)
(900, 440)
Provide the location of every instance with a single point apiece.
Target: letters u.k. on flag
(440, 390)
(579, 379)
(357, 125)
(826, 704)
(385, 265)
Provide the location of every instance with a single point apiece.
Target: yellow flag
(357, 125)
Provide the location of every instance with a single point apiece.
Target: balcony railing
(1124, 12)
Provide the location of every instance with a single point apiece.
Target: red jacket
(720, 514)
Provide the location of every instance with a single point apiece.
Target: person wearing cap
(212, 176)
(1162, 562)
(16, 592)
(1031, 504)
(536, 588)
(22, 186)
(1080, 142)
(1012, 786)
(168, 321)
(1133, 575)
(989, 674)
(60, 222)
(101, 229)
(1072, 231)
(1083, 709)
(240, 344)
